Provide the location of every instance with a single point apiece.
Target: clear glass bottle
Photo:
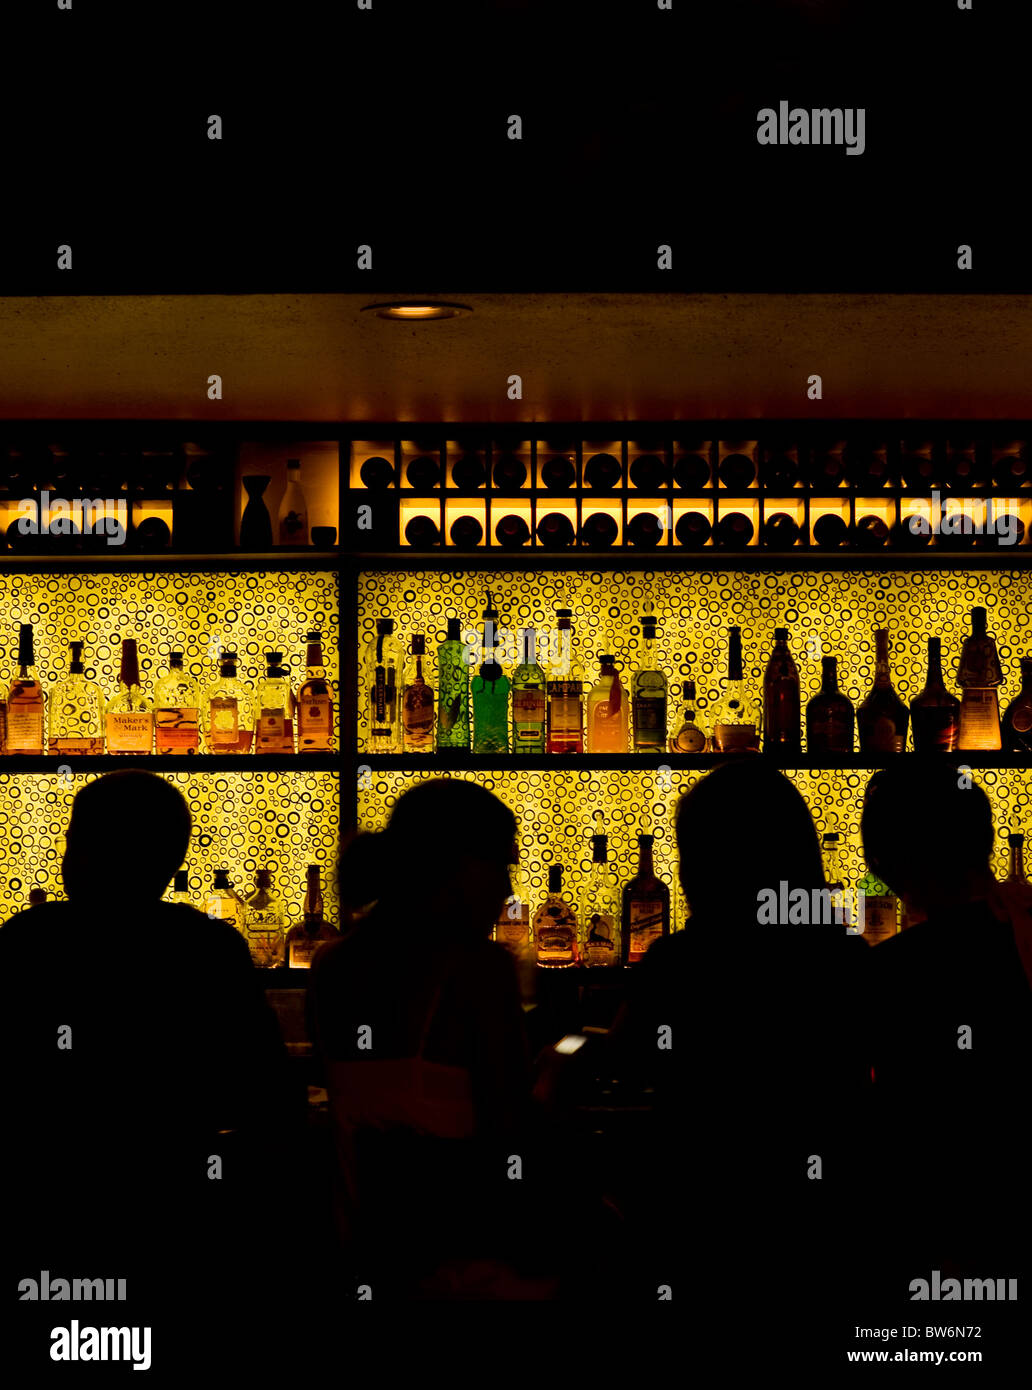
(512, 929)
(555, 925)
(223, 903)
(738, 719)
(880, 906)
(75, 709)
(129, 715)
(305, 937)
(274, 709)
(781, 726)
(979, 676)
(935, 713)
(565, 690)
(417, 700)
(882, 717)
(25, 700)
(1016, 859)
(834, 880)
(690, 737)
(293, 509)
(180, 894)
(645, 913)
(315, 702)
(382, 680)
(453, 691)
(490, 693)
(649, 693)
(829, 715)
(265, 922)
(607, 710)
(600, 905)
(226, 710)
(1017, 718)
(177, 710)
(528, 698)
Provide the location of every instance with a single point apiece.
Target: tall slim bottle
(600, 905)
(129, 716)
(935, 713)
(293, 509)
(646, 907)
(314, 702)
(1016, 859)
(607, 710)
(649, 692)
(738, 719)
(979, 676)
(781, 727)
(417, 700)
(882, 718)
(528, 698)
(453, 691)
(565, 691)
(490, 693)
(382, 680)
(829, 715)
(25, 700)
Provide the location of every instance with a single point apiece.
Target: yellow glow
(425, 309)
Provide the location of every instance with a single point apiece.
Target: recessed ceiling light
(418, 309)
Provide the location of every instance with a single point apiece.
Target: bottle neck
(314, 657)
(829, 676)
(1026, 677)
(645, 864)
(734, 657)
(934, 679)
(882, 675)
(129, 673)
(1017, 862)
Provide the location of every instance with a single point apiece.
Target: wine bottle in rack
(599, 531)
(966, 472)
(692, 530)
(779, 472)
(871, 533)
(602, 472)
(509, 473)
(422, 532)
(825, 471)
(920, 472)
(423, 473)
(866, 469)
(1010, 471)
(831, 531)
(780, 531)
(649, 472)
(466, 533)
(511, 532)
(911, 533)
(692, 472)
(377, 473)
(644, 530)
(737, 472)
(734, 531)
(469, 473)
(1007, 531)
(555, 531)
(558, 474)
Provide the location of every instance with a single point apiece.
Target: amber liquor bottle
(25, 700)
(314, 702)
(1017, 719)
(646, 907)
(829, 715)
(979, 675)
(305, 937)
(882, 717)
(781, 730)
(935, 713)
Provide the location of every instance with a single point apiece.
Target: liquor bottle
(689, 737)
(417, 701)
(554, 531)
(377, 473)
(75, 709)
(602, 472)
(829, 715)
(382, 684)
(265, 923)
(649, 696)
(935, 713)
(512, 930)
(645, 530)
(881, 909)
(830, 531)
(555, 925)
(834, 880)
(600, 905)
(565, 692)
(423, 473)
(490, 693)
(558, 474)
(466, 533)
(180, 894)
(529, 716)
(177, 706)
(607, 711)
(737, 472)
(305, 937)
(1016, 859)
(599, 531)
(979, 675)
(738, 720)
(1017, 718)
(882, 717)
(509, 473)
(734, 531)
(780, 531)
(692, 472)
(781, 728)
(223, 903)
(469, 473)
(649, 472)
(315, 702)
(25, 700)
(422, 532)
(646, 907)
(274, 708)
(226, 712)
(512, 532)
(129, 714)
(453, 691)
(871, 533)
(293, 509)
(692, 530)
(1010, 471)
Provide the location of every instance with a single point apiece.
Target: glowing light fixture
(418, 309)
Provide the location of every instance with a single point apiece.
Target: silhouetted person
(417, 1015)
(768, 1060)
(132, 1032)
(952, 1012)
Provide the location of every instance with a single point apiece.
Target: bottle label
(265, 942)
(25, 728)
(555, 931)
(383, 695)
(735, 738)
(649, 722)
(879, 918)
(564, 714)
(830, 732)
(646, 923)
(689, 739)
(935, 729)
(130, 731)
(600, 946)
(418, 715)
(302, 948)
(513, 927)
(979, 719)
(224, 727)
(528, 716)
(315, 721)
(175, 729)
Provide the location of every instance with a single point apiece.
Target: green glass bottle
(528, 698)
(490, 693)
(453, 691)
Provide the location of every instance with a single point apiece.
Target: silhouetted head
(742, 829)
(927, 833)
(128, 834)
(444, 856)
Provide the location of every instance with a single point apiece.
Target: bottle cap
(454, 630)
(645, 840)
(606, 657)
(832, 838)
(317, 636)
(274, 658)
(599, 847)
(781, 634)
(978, 618)
(221, 878)
(293, 463)
(689, 691)
(564, 612)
